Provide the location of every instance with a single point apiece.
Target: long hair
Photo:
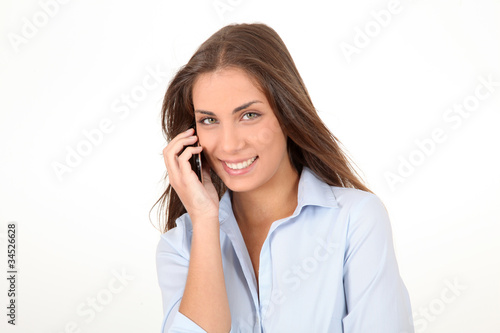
(260, 52)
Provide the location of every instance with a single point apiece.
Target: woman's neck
(275, 200)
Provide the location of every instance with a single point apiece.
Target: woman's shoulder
(347, 199)
(347, 196)
(357, 202)
(364, 213)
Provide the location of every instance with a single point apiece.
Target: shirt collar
(311, 191)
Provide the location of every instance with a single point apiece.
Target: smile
(241, 165)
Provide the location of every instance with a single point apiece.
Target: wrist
(205, 223)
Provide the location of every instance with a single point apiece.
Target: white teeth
(241, 165)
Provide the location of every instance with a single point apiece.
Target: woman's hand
(200, 200)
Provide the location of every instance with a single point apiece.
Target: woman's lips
(240, 164)
(240, 167)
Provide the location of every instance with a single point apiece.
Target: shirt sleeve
(172, 263)
(376, 297)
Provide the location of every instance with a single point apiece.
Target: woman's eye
(251, 115)
(207, 121)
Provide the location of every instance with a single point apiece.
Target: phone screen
(195, 160)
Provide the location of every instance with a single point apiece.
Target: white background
(73, 68)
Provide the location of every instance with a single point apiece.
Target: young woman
(281, 235)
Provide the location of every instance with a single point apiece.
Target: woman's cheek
(265, 135)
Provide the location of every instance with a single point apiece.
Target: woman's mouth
(241, 165)
(239, 168)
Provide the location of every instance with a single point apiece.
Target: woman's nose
(232, 139)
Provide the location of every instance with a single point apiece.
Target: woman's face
(241, 137)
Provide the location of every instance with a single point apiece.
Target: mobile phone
(195, 160)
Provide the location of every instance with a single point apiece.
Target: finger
(178, 137)
(189, 152)
(187, 132)
(173, 149)
(183, 159)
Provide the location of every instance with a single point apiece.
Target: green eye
(208, 121)
(251, 115)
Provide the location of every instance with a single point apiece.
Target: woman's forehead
(228, 89)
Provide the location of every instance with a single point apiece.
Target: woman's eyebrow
(239, 108)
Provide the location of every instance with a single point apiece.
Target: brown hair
(258, 50)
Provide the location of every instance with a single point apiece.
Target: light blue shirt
(329, 267)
